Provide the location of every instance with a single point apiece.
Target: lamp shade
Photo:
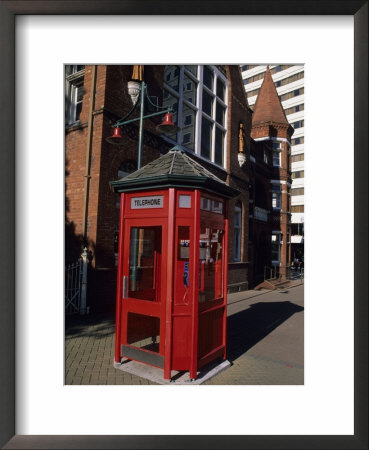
(167, 126)
(117, 137)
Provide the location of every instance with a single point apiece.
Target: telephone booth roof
(174, 169)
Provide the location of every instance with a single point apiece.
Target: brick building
(215, 122)
(271, 177)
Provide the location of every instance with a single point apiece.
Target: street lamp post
(167, 126)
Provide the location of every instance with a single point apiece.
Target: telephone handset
(186, 281)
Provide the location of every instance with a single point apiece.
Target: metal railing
(73, 283)
(287, 272)
(270, 273)
(76, 286)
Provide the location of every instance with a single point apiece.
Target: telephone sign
(154, 201)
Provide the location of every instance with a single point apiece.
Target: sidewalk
(265, 332)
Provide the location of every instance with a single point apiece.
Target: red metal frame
(118, 309)
(179, 320)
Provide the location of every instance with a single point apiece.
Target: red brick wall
(280, 221)
(111, 102)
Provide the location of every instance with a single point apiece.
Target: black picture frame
(8, 11)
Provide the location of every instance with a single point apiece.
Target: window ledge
(75, 126)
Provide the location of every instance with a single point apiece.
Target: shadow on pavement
(244, 329)
(98, 325)
(247, 328)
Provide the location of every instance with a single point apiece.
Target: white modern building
(289, 81)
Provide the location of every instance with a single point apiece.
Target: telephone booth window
(143, 332)
(211, 256)
(144, 263)
(182, 266)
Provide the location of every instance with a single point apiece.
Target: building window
(297, 141)
(276, 159)
(276, 200)
(297, 191)
(294, 109)
(248, 67)
(297, 208)
(257, 77)
(276, 248)
(277, 154)
(298, 124)
(297, 229)
(298, 174)
(188, 120)
(74, 77)
(252, 93)
(296, 158)
(237, 231)
(186, 138)
(291, 94)
(198, 95)
(290, 79)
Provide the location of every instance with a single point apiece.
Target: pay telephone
(186, 274)
(182, 266)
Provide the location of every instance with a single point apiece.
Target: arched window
(237, 231)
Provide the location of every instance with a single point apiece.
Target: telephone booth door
(143, 291)
(183, 294)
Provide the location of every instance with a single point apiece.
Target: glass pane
(220, 89)
(211, 269)
(217, 207)
(237, 244)
(275, 251)
(207, 103)
(144, 263)
(237, 216)
(182, 267)
(220, 114)
(78, 110)
(79, 93)
(206, 138)
(171, 77)
(68, 70)
(189, 90)
(188, 127)
(143, 332)
(192, 69)
(205, 204)
(208, 78)
(219, 146)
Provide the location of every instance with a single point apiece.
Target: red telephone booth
(172, 269)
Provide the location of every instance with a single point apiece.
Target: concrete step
(272, 284)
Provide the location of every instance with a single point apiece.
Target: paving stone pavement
(265, 336)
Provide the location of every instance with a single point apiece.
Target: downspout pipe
(87, 174)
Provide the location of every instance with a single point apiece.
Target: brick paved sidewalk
(265, 343)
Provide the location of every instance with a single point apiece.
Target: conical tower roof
(268, 107)
(174, 169)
